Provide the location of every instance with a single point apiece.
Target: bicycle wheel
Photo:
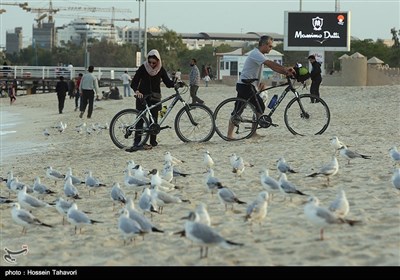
(122, 132)
(244, 118)
(203, 127)
(312, 120)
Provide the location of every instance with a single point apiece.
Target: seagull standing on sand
(117, 195)
(54, 174)
(202, 213)
(395, 155)
(207, 160)
(336, 144)
(269, 184)
(349, 155)
(328, 169)
(340, 206)
(78, 218)
(257, 210)
(227, 196)
(24, 218)
(129, 228)
(322, 217)
(283, 167)
(396, 178)
(204, 236)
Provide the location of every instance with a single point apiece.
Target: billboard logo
(340, 19)
(317, 23)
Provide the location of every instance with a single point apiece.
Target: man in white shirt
(88, 87)
(125, 78)
(252, 69)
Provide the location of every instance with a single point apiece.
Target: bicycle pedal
(274, 124)
(164, 127)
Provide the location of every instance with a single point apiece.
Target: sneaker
(76, 109)
(81, 115)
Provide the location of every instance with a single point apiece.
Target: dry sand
(367, 119)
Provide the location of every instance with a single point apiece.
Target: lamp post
(145, 28)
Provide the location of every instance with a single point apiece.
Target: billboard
(329, 31)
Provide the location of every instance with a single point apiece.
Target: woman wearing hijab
(145, 83)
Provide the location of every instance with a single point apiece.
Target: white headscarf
(153, 71)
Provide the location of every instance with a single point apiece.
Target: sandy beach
(365, 118)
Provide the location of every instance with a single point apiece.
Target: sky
(369, 19)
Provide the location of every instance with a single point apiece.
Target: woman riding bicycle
(252, 69)
(146, 85)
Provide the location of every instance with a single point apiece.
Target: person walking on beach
(316, 77)
(125, 78)
(194, 81)
(77, 93)
(252, 69)
(145, 83)
(12, 92)
(61, 89)
(88, 87)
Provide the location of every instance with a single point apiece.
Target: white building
(231, 64)
(81, 28)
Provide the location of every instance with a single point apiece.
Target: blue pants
(127, 90)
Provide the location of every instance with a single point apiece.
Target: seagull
(207, 160)
(283, 167)
(78, 218)
(394, 154)
(204, 236)
(340, 206)
(257, 210)
(269, 183)
(328, 169)
(92, 182)
(146, 203)
(396, 178)
(162, 198)
(174, 160)
(212, 183)
(39, 188)
(24, 218)
(133, 182)
(322, 217)
(54, 174)
(349, 155)
(286, 187)
(201, 211)
(62, 207)
(69, 189)
(129, 228)
(336, 144)
(75, 180)
(30, 202)
(145, 225)
(117, 195)
(46, 132)
(238, 166)
(226, 196)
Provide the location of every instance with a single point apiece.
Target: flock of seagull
(154, 191)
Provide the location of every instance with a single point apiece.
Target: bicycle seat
(249, 81)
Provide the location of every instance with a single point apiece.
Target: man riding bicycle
(252, 69)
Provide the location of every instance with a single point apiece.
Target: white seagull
(24, 218)
(204, 236)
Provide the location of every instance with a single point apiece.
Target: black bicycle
(301, 116)
(193, 123)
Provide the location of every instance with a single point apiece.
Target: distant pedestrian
(77, 92)
(316, 77)
(194, 82)
(125, 78)
(177, 76)
(12, 92)
(71, 88)
(88, 87)
(206, 80)
(61, 89)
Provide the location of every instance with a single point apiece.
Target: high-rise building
(44, 35)
(14, 41)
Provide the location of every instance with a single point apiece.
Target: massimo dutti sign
(323, 30)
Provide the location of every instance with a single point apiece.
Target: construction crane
(52, 10)
(21, 5)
